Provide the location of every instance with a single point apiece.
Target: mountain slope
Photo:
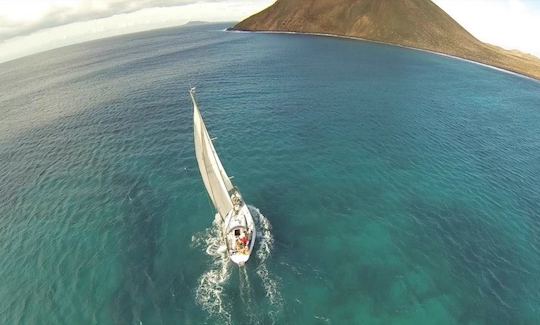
(414, 23)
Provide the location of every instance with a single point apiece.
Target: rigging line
(206, 171)
(196, 107)
(214, 154)
(223, 234)
(194, 138)
(216, 158)
(204, 160)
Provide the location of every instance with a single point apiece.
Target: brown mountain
(414, 23)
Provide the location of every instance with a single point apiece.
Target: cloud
(22, 17)
(511, 24)
(88, 29)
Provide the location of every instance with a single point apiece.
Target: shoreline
(517, 74)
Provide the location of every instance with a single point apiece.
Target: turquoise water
(395, 186)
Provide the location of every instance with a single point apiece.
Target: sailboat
(237, 226)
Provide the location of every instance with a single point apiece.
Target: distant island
(419, 24)
(196, 23)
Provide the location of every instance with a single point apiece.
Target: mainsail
(214, 177)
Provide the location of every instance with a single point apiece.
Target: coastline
(518, 74)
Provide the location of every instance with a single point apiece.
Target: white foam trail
(322, 318)
(264, 251)
(247, 294)
(209, 293)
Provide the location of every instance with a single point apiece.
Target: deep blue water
(397, 186)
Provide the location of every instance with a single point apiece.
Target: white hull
(233, 227)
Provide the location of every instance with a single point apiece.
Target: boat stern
(239, 259)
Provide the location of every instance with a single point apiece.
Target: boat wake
(264, 251)
(210, 287)
(212, 284)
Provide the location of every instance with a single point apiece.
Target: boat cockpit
(240, 238)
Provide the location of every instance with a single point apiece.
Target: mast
(215, 178)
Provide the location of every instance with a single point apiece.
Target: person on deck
(244, 240)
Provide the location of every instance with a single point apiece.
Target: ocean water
(391, 186)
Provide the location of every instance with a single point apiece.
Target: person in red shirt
(244, 240)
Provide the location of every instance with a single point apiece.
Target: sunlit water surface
(393, 185)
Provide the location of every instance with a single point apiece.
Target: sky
(31, 26)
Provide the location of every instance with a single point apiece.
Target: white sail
(214, 177)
